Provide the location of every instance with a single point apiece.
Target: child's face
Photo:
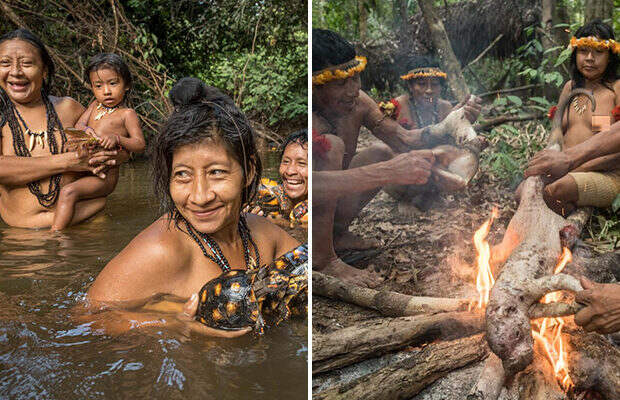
(592, 62)
(108, 86)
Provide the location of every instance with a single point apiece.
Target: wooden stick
(485, 51)
(404, 379)
(490, 382)
(355, 343)
(509, 90)
(489, 123)
(387, 303)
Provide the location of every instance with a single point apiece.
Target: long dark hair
(603, 31)
(202, 112)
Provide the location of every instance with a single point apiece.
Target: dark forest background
(256, 51)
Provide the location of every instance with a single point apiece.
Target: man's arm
(556, 164)
(389, 131)
(412, 168)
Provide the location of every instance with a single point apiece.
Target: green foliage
(603, 231)
(254, 50)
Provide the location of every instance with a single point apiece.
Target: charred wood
(370, 339)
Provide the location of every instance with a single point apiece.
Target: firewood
(491, 381)
(406, 378)
(370, 339)
(387, 303)
(526, 277)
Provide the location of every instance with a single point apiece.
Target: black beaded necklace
(413, 109)
(218, 256)
(21, 150)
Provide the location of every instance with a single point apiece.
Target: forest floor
(428, 253)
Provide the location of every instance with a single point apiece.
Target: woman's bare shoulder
(144, 266)
(66, 104)
(402, 99)
(269, 234)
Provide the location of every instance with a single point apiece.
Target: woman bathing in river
(206, 170)
(33, 167)
(290, 198)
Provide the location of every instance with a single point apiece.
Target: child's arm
(135, 141)
(83, 121)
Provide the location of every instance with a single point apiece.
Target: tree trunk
(602, 9)
(359, 342)
(418, 369)
(362, 20)
(442, 45)
(547, 21)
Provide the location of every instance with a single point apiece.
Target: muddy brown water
(43, 354)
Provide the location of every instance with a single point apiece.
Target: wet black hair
(27, 36)
(202, 112)
(600, 30)
(112, 61)
(300, 137)
(329, 48)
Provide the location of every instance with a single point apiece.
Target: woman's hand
(188, 316)
(102, 160)
(254, 210)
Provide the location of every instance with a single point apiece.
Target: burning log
(594, 364)
(406, 378)
(355, 343)
(387, 303)
(491, 380)
(526, 277)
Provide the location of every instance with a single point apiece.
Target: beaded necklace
(413, 109)
(217, 255)
(21, 150)
(103, 110)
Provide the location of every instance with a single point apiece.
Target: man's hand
(472, 107)
(602, 311)
(550, 164)
(412, 168)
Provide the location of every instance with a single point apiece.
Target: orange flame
(552, 339)
(484, 280)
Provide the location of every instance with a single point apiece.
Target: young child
(109, 120)
(594, 64)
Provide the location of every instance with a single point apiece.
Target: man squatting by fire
(345, 181)
(586, 172)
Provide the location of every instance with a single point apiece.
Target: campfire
(515, 340)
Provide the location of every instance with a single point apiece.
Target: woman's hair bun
(191, 90)
(187, 91)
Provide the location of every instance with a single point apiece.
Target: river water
(45, 355)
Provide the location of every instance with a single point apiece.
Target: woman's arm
(148, 266)
(82, 122)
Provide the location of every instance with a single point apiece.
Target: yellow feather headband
(424, 72)
(341, 71)
(595, 43)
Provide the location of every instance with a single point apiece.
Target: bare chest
(108, 124)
